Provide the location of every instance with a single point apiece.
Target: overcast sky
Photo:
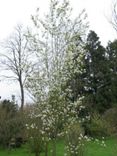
(13, 12)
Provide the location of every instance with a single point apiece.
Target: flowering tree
(54, 45)
(53, 35)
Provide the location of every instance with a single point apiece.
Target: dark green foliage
(10, 122)
(18, 141)
(97, 127)
(112, 64)
(10, 107)
(95, 76)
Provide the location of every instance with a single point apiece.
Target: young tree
(16, 58)
(52, 42)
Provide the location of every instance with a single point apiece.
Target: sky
(13, 12)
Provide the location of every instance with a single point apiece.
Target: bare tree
(17, 59)
(113, 20)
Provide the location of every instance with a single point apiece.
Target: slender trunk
(54, 147)
(46, 149)
(22, 94)
(37, 154)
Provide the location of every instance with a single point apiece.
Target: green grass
(92, 149)
(15, 152)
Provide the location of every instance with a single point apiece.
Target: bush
(98, 126)
(10, 122)
(110, 117)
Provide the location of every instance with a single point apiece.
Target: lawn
(92, 149)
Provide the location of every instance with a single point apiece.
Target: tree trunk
(54, 147)
(46, 149)
(36, 154)
(22, 94)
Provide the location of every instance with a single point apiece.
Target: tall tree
(96, 72)
(112, 63)
(17, 59)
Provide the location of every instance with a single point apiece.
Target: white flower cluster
(73, 148)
